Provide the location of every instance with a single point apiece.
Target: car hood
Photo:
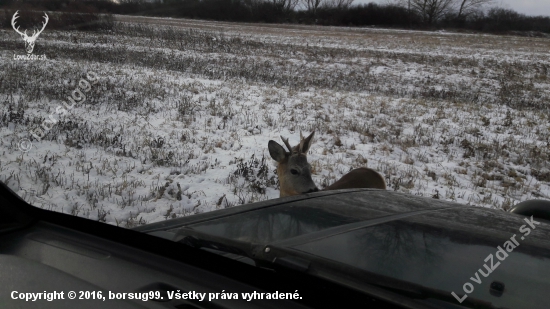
(288, 217)
(490, 257)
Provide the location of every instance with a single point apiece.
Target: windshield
(416, 253)
(132, 113)
(426, 254)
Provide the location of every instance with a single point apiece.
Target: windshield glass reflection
(439, 259)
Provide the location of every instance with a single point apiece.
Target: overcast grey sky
(528, 7)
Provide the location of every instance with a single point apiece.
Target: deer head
(293, 170)
(29, 40)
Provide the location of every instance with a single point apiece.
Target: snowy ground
(180, 119)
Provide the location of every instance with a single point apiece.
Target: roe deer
(295, 172)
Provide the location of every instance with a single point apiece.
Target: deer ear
(276, 151)
(306, 143)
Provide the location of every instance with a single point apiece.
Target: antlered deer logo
(29, 40)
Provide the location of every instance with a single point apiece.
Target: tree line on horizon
(473, 15)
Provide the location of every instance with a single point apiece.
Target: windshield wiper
(198, 239)
(196, 242)
(279, 258)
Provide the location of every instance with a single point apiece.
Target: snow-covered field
(180, 119)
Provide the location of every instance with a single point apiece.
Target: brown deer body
(295, 172)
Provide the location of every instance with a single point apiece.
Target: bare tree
(285, 5)
(312, 5)
(430, 10)
(467, 7)
(338, 4)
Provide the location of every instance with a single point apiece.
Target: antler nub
(301, 146)
(285, 140)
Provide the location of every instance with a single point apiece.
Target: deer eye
(294, 172)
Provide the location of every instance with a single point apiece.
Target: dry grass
(180, 121)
